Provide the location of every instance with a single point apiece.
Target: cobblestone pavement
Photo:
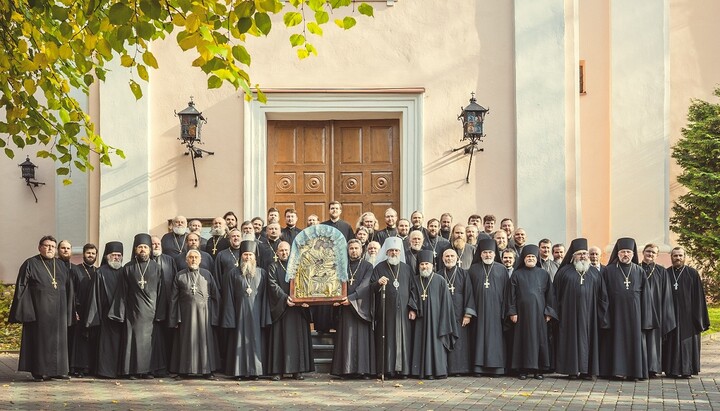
(320, 391)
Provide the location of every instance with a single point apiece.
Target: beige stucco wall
(447, 52)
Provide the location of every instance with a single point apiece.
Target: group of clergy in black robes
(428, 318)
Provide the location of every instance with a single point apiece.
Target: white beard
(156, 253)
(487, 261)
(393, 260)
(582, 266)
(217, 231)
(115, 265)
(194, 267)
(425, 273)
(180, 230)
(416, 247)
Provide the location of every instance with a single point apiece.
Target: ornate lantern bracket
(28, 173)
(191, 122)
(472, 118)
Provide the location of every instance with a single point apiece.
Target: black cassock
(45, 311)
(169, 269)
(215, 244)
(435, 329)
(246, 315)
(354, 351)
(109, 331)
(83, 353)
(629, 315)
(140, 304)
(681, 350)
(663, 314)
(194, 307)
(461, 293)
(397, 325)
(531, 298)
(290, 347)
(226, 260)
(581, 305)
(487, 343)
(173, 244)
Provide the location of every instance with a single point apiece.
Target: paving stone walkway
(320, 391)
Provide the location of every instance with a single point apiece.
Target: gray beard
(393, 260)
(487, 261)
(115, 265)
(582, 266)
(416, 247)
(425, 273)
(180, 230)
(194, 267)
(217, 231)
(371, 258)
(248, 268)
(156, 253)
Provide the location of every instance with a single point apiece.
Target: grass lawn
(714, 313)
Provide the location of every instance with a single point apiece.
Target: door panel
(311, 163)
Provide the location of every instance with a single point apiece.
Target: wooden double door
(311, 163)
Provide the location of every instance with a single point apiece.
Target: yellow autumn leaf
(65, 51)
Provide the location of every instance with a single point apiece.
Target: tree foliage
(696, 217)
(52, 46)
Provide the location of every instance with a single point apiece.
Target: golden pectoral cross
(424, 296)
(452, 289)
(54, 284)
(352, 280)
(275, 258)
(142, 283)
(627, 283)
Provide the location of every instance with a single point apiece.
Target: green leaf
(322, 17)
(348, 22)
(42, 154)
(149, 59)
(245, 9)
(142, 72)
(244, 24)
(145, 30)
(302, 53)
(316, 5)
(72, 128)
(297, 40)
(67, 181)
(292, 18)
(366, 9)
(119, 14)
(214, 82)
(79, 165)
(241, 55)
(263, 23)
(151, 8)
(136, 90)
(260, 95)
(120, 153)
(314, 28)
(63, 171)
(88, 79)
(59, 13)
(272, 6)
(18, 141)
(9, 153)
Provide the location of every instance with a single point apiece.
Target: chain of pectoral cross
(451, 280)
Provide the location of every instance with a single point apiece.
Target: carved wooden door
(311, 163)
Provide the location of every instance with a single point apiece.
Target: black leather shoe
(430, 377)
(522, 377)
(210, 377)
(539, 377)
(275, 378)
(38, 378)
(298, 376)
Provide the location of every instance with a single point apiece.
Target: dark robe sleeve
(603, 306)
(213, 299)
(175, 317)
(162, 299)
(22, 309)
(550, 299)
(93, 309)
(645, 302)
(700, 315)
(70, 295)
(117, 307)
(469, 297)
(227, 318)
(447, 330)
(277, 298)
(511, 297)
(668, 307)
(414, 295)
(361, 298)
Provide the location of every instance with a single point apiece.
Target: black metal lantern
(472, 118)
(191, 121)
(28, 173)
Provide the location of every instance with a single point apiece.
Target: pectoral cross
(248, 290)
(434, 253)
(54, 284)
(352, 280)
(275, 258)
(142, 283)
(237, 263)
(675, 285)
(215, 249)
(582, 279)
(193, 288)
(627, 283)
(424, 296)
(452, 289)
(487, 284)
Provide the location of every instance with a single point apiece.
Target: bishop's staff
(382, 357)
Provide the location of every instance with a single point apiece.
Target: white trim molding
(407, 107)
